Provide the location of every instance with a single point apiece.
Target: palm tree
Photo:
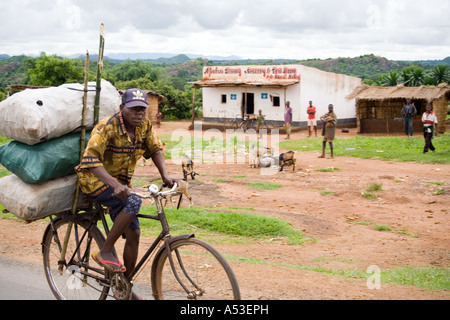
(391, 79)
(413, 76)
(440, 74)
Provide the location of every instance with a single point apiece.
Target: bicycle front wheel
(71, 276)
(204, 272)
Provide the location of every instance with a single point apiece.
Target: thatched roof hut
(378, 109)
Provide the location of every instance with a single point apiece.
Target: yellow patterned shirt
(110, 146)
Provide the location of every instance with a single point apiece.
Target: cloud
(250, 28)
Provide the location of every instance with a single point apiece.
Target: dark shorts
(130, 205)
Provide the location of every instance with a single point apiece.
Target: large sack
(32, 202)
(44, 161)
(35, 115)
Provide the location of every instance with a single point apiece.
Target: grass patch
(371, 189)
(229, 222)
(327, 192)
(375, 187)
(431, 278)
(4, 172)
(4, 140)
(368, 195)
(400, 149)
(329, 169)
(265, 185)
(382, 227)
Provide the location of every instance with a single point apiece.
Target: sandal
(112, 266)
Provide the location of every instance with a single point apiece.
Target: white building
(234, 91)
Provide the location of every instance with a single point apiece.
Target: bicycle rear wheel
(230, 124)
(72, 278)
(203, 270)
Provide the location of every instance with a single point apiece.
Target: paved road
(26, 281)
(23, 281)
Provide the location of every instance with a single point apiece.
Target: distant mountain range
(161, 57)
(171, 58)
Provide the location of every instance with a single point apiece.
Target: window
(275, 101)
(224, 98)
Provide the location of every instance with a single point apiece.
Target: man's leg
(131, 249)
(121, 224)
(411, 127)
(331, 149)
(324, 145)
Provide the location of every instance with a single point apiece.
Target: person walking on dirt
(312, 122)
(329, 120)
(430, 122)
(288, 120)
(107, 166)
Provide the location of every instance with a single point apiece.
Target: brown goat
(182, 187)
(287, 159)
(187, 165)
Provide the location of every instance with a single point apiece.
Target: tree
(391, 79)
(129, 70)
(413, 76)
(440, 74)
(54, 71)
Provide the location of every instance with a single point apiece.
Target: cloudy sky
(295, 29)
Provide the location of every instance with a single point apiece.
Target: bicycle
(183, 267)
(248, 122)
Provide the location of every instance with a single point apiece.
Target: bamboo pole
(82, 146)
(193, 105)
(99, 74)
(83, 126)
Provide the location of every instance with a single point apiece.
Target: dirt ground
(408, 202)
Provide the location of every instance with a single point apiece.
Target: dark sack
(43, 161)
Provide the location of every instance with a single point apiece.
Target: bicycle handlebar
(154, 192)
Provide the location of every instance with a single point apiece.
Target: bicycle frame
(98, 214)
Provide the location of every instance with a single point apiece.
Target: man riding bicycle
(104, 174)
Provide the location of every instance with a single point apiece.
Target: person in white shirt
(430, 122)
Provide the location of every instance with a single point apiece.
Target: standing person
(106, 169)
(312, 122)
(430, 122)
(158, 118)
(288, 120)
(259, 123)
(329, 120)
(409, 111)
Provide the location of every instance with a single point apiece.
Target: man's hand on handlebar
(122, 191)
(168, 182)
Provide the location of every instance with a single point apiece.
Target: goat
(187, 165)
(287, 159)
(182, 187)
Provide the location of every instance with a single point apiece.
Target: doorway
(248, 103)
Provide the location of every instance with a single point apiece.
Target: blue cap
(134, 98)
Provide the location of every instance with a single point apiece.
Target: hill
(365, 67)
(182, 68)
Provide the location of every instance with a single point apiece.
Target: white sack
(32, 202)
(35, 115)
(268, 161)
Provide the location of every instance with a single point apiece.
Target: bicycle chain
(120, 287)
